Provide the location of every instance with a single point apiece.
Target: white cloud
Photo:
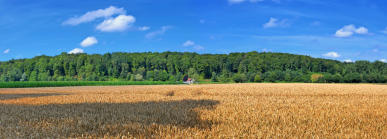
(144, 28)
(89, 41)
(194, 46)
(198, 47)
(235, 1)
(158, 32)
(120, 23)
(341, 33)
(349, 30)
(251, 1)
(6, 51)
(76, 51)
(189, 43)
(115, 19)
(348, 61)
(361, 30)
(383, 60)
(332, 55)
(274, 22)
(93, 15)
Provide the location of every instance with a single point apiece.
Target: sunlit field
(198, 111)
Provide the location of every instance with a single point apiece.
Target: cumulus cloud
(349, 30)
(76, 51)
(144, 28)
(188, 43)
(383, 60)
(348, 61)
(274, 22)
(115, 19)
(120, 23)
(6, 51)
(361, 30)
(332, 55)
(194, 46)
(93, 15)
(158, 32)
(89, 41)
(342, 33)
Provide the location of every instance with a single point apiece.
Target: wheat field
(196, 111)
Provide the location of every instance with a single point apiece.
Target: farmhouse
(187, 80)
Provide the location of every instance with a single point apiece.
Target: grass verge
(78, 83)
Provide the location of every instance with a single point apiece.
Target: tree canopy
(173, 66)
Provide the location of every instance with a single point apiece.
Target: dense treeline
(173, 66)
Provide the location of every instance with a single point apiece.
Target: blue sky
(345, 30)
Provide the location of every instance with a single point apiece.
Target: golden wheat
(197, 111)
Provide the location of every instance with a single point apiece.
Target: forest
(173, 66)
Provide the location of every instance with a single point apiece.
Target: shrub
(316, 77)
(239, 78)
(214, 78)
(138, 77)
(257, 78)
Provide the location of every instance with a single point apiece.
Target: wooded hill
(173, 66)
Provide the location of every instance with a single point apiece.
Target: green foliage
(250, 76)
(24, 77)
(78, 83)
(239, 78)
(172, 78)
(257, 78)
(316, 78)
(225, 77)
(179, 77)
(337, 78)
(138, 77)
(214, 77)
(164, 76)
(168, 66)
(273, 76)
(149, 75)
(352, 78)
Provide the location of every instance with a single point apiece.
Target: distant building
(187, 80)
